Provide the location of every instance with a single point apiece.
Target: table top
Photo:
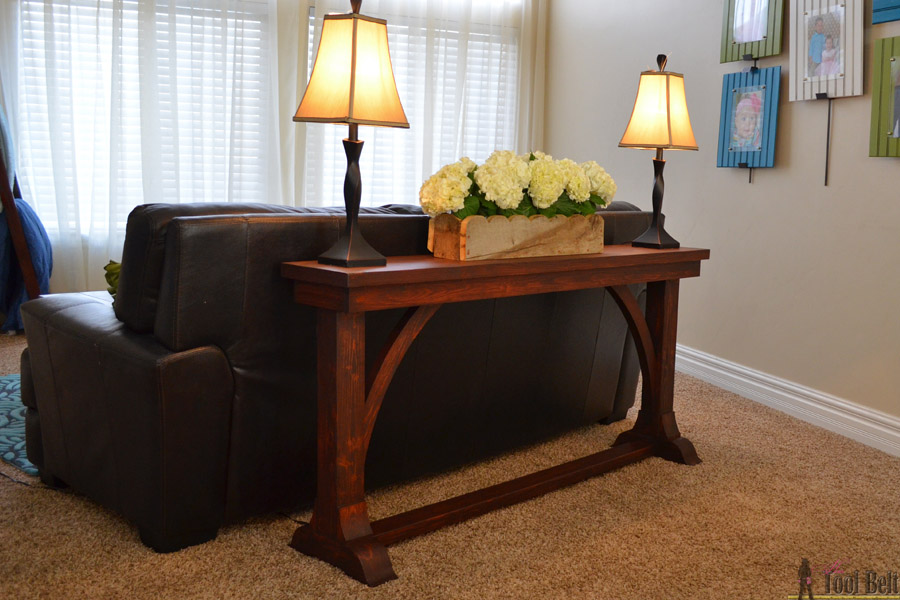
(423, 279)
(429, 268)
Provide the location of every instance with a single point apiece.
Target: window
(458, 81)
(122, 103)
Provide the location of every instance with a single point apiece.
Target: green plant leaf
(527, 207)
(587, 208)
(488, 208)
(598, 200)
(112, 271)
(470, 207)
(566, 206)
(549, 212)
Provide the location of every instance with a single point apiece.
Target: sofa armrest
(127, 422)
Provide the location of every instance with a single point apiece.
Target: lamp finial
(660, 60)
(356, 5)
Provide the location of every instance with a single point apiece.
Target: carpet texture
(771, 490)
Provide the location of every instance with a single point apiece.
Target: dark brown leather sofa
(190, 401)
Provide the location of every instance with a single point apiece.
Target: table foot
(364, 559)
(679, 449)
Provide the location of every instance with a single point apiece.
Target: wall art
(884, 136)
(885, 10)
(826, 49)
(751, 27)
(749, 118)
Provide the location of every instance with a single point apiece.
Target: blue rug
(12, 425)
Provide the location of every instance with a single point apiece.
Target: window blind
(127, 102)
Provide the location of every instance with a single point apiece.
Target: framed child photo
(884, 136)
(885, 10)
(749, 118)
(826, 49)
(751, 27)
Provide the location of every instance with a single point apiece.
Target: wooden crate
(484, 238)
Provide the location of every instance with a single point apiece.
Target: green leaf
(587, 208)
(566, 206)
(598, 200)
(488, 208)
(549, 212)
(470, 207)
(527, 207)
(112, 271)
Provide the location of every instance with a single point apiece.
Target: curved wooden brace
(640, 331)
(389, 359)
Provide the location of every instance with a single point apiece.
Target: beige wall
(804, 280)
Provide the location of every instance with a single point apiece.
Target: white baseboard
(871, 427)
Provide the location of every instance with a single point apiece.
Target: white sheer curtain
(122, 102)
(125, 102)
(470, 76)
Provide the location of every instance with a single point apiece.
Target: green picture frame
(884, 136)
(751, 27)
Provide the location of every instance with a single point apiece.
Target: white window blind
(458, 80)
(127, 102)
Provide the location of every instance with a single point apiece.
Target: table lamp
(352, 82)
(659, 121)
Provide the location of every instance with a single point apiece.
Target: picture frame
(826, 49)
(884, 135)
(885, 10)
(748, 122)
(751, 27)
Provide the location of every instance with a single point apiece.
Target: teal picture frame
(748, 122)
(885, 10)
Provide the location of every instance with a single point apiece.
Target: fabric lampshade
(660, 117)
(352, 79)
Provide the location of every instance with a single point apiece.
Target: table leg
(656, 418)
(340, 532)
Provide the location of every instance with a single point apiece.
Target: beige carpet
(11, 347)
(771, 490)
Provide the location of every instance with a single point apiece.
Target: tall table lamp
(659, 121)
(352, 82)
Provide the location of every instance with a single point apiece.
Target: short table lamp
(352, 82)
(659, 121)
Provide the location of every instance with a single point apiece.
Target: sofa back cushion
(145, 247)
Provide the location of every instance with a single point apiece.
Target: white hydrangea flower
(602, 183)
(502, 178)
(538, 155)
(548, 180)
(446, 190)
(578, 184)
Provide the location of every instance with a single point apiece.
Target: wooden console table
(349, 396)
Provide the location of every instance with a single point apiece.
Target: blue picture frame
(749, 118)
(885, 10)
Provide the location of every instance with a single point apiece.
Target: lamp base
(656, 237)
(352, 250)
